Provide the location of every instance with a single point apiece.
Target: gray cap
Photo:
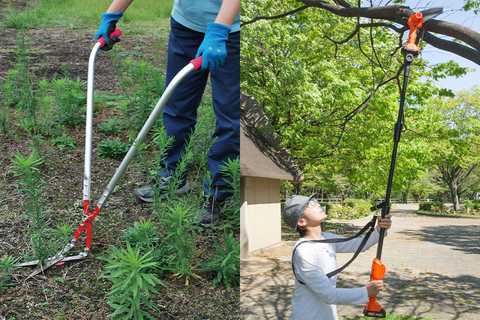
(293, 209)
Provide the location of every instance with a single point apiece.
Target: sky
(452, 13)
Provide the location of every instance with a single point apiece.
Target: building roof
(260, 154)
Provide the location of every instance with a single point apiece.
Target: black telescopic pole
(408, 59)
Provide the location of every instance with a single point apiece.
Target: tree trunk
(454, 195)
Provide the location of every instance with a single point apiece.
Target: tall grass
(86, 13)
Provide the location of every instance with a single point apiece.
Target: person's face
(313, 215)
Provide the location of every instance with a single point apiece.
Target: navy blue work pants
(180, 113)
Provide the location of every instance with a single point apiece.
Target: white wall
(260, 216)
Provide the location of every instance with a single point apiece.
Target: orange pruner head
(415, 22)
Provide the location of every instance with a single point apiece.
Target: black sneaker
(211, 211)
(147, 193)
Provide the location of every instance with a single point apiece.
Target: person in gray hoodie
(316, 295)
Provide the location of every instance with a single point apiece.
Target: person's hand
(374, 287)
(384, 223)
(107, 26)
(213, 48)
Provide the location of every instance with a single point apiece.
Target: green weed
(133, 283)
(143, 86)
(111, 126)
(69, 99)
(225, 263)
(143, 235)
(231, 171)
(112, 148)
(17, 88)
(4, 119)
(202, 140)
(177, 247)
(64, 142)
(27, 169)
(7, 264)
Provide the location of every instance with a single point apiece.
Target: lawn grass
(74, 14)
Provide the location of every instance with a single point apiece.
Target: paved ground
(433, 271)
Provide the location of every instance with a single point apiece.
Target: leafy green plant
(69, 100)
(17, 87)
(143, 235)
(4, 119)
(225, 263)
(202, 140)
(111, 126)
(27, 169)
(64, 142)
(353, 209)
(231, 171)
(112, 148)
(7, 264)
(133, 283)
(143, 85)
(177, 247)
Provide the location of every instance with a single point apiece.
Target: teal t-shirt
(196, 14)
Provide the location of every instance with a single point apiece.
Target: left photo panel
(120, 159)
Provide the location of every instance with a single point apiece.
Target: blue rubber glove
(214, 46)
(107, 26)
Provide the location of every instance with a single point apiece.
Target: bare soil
(76, 290)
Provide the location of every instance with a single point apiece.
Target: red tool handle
(117, 33)
(373, 308)
(197, 63)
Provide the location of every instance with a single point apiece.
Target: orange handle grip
(378, 270)
(373, 308)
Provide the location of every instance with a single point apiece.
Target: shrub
(64, 142)
(69, 99)
(133, 283)
(111, 126)
(425, 206)
(361, 207)
(113, 149)
(435, 206)
(225, 263)
(7, 264)
(353, 209)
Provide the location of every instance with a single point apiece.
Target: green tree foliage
(324, 99)
(457, 142)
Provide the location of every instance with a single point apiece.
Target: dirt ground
(76, 291)
(432, 271)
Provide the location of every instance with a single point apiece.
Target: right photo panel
(360, 160)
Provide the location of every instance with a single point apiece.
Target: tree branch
(278, 16)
